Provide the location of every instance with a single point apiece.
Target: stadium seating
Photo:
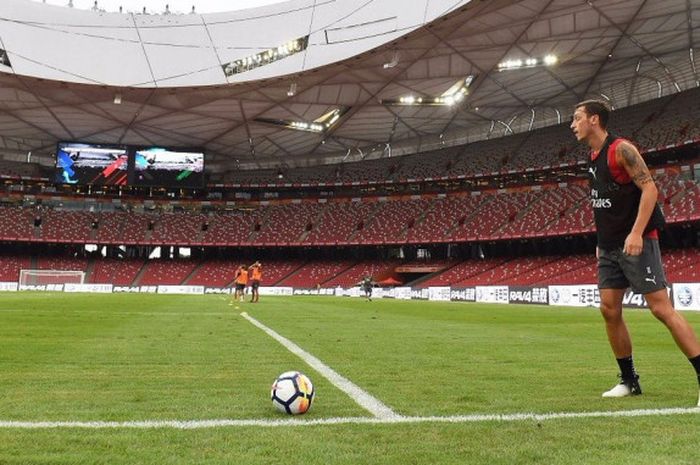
(231, 228)
(213, 273)
(178, 228)
(463, 216)
(552, 271)
(287, 224)
(10, 267)
(66, 226)
(681, 199)
(574, 215)
(120, 272)
(123, 227)
(165, 272)
(316, 274)
(353, 275)
(391, 221)
(17, 223)
(586, 274)
(61, 263)
(341, 222)
(490, 216)
(682, 266)
(275, 271)
(510, 272)
(459, 274)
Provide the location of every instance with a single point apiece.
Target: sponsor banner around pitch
(218, 290)
(270, 290)
(343, 292)
(636, 300)
(588, 295)
(492, 294)
(467, 294)
(439, 293)
(421, 294)
(91, 288)
(401, 293)
(186, 290)
(9, 287)
(528, 295)
(583, 295)
(320, 291)
(41, 287)
(357, 291)
(686, 296)
(380, 293)
(135, 289)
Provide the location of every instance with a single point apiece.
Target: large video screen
(81, 163)
(155, 166)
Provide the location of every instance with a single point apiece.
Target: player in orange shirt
(241, 282)
(255, 271)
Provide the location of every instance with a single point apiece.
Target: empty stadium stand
(164, 272)
(528, 212)
(120, 272)
(315, 274)
(10, 267)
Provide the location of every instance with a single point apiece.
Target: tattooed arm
(629, 158)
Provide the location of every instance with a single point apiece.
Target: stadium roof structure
(309, 82)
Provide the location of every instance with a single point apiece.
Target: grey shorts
(643, 273)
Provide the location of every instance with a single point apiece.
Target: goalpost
(46, 277)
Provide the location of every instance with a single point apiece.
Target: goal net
(46, 277)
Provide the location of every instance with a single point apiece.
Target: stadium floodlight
(266, 57)
(550, 60)
(455, 94)
(319, 125)
(530, 62)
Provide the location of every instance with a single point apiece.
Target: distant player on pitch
(241, 282)
(627, 220)
(366, 285)
(255, 273)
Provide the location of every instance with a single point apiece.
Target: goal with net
(47, 277)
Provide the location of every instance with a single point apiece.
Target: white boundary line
(356, 393)
(295, 422)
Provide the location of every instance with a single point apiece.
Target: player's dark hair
(597, 107)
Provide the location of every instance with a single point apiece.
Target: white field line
(356, 393)
(292, 422)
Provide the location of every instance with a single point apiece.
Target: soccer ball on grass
(292, 393)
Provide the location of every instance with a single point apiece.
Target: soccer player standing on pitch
(241, 282)
(627, 220)
(366, 284)
(255, 273)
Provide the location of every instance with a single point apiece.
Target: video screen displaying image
(156, 166)
(79, 163)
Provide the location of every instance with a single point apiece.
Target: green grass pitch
(128, 358)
